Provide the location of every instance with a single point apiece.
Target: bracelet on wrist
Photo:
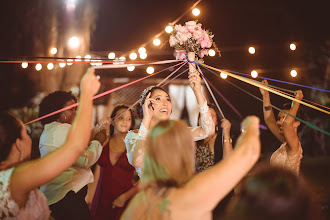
(268, 108)
(228, 140)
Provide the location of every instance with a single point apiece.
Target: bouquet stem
(192, 66)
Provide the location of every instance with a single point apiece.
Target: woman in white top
(170, 188)
(155, 106)
(285, 128)
(66, 193)
(21, 177)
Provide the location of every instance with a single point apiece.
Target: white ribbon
(115, 66)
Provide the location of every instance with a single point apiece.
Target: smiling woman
(286, 129)
(156, 106)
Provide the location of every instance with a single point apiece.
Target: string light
(123, 59)
(156, 42)
(25, 65)
(50, 66)
(69, 60)
(223, 75)
(38, 67)
(196, 11)
(133, 56)
(78, 58)
(130, 68)
(111, 55)
(293, 46)
(143, 56)
(53, 51)
(254, 73)
(212, 52)
(88, 57)
(252, 50)
(74, 42)
(62, 65)
(142, 50)
(150, 70)
(293, 73)
(169, 29)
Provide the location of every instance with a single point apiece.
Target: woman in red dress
(115, 183)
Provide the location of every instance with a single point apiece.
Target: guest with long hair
(170, 188)
(21, 177)
(113, 173)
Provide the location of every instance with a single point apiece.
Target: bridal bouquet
(192, 38)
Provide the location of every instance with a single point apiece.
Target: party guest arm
(29, 175)
(92, 186)
(269, 114)
(227, 141)
(205, 185)
(289, 131)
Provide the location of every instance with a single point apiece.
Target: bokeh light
(252, 50)
(150, 70)
(111, 55)
(223, 75)
(156, 42)
(50, 66)
(196, 11)
(212, 52)
(133, 56)
(38, 67)
(293, 73)
(25, 65)
(169, 29)
(254, 74)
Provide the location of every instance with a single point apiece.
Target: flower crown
(144, 93)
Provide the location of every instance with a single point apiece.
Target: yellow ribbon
(265, 88)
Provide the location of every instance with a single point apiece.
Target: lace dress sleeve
(8, 207)
(207, 127)
(131, 149)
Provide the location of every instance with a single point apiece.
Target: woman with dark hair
(113, 173)
(66, 193)
(272, 193)
(171, 190)
(156, 106)
(285, 128)
(21, 177)
(210, 151)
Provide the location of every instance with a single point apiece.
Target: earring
(20, 156)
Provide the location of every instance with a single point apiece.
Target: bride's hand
(149, 107)
(195, 81)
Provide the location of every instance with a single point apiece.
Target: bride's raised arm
(207, 127)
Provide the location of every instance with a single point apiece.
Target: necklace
(207, 141)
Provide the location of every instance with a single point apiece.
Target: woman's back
(35, 208)
(163, 204)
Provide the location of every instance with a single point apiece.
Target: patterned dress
(281, 158)
(35, 208)
(204, 157)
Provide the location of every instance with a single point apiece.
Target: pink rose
(197, 33)
(204, 52)
(180, 54)
(204, 40)
(173, 41)
(191, 25)
(183, 36)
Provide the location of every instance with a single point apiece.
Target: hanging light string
(278, 89)
(303, 121)
(103, 94)
(264, 87)
(171, 24)
(276, 80)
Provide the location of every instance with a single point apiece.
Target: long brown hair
(169, 159)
